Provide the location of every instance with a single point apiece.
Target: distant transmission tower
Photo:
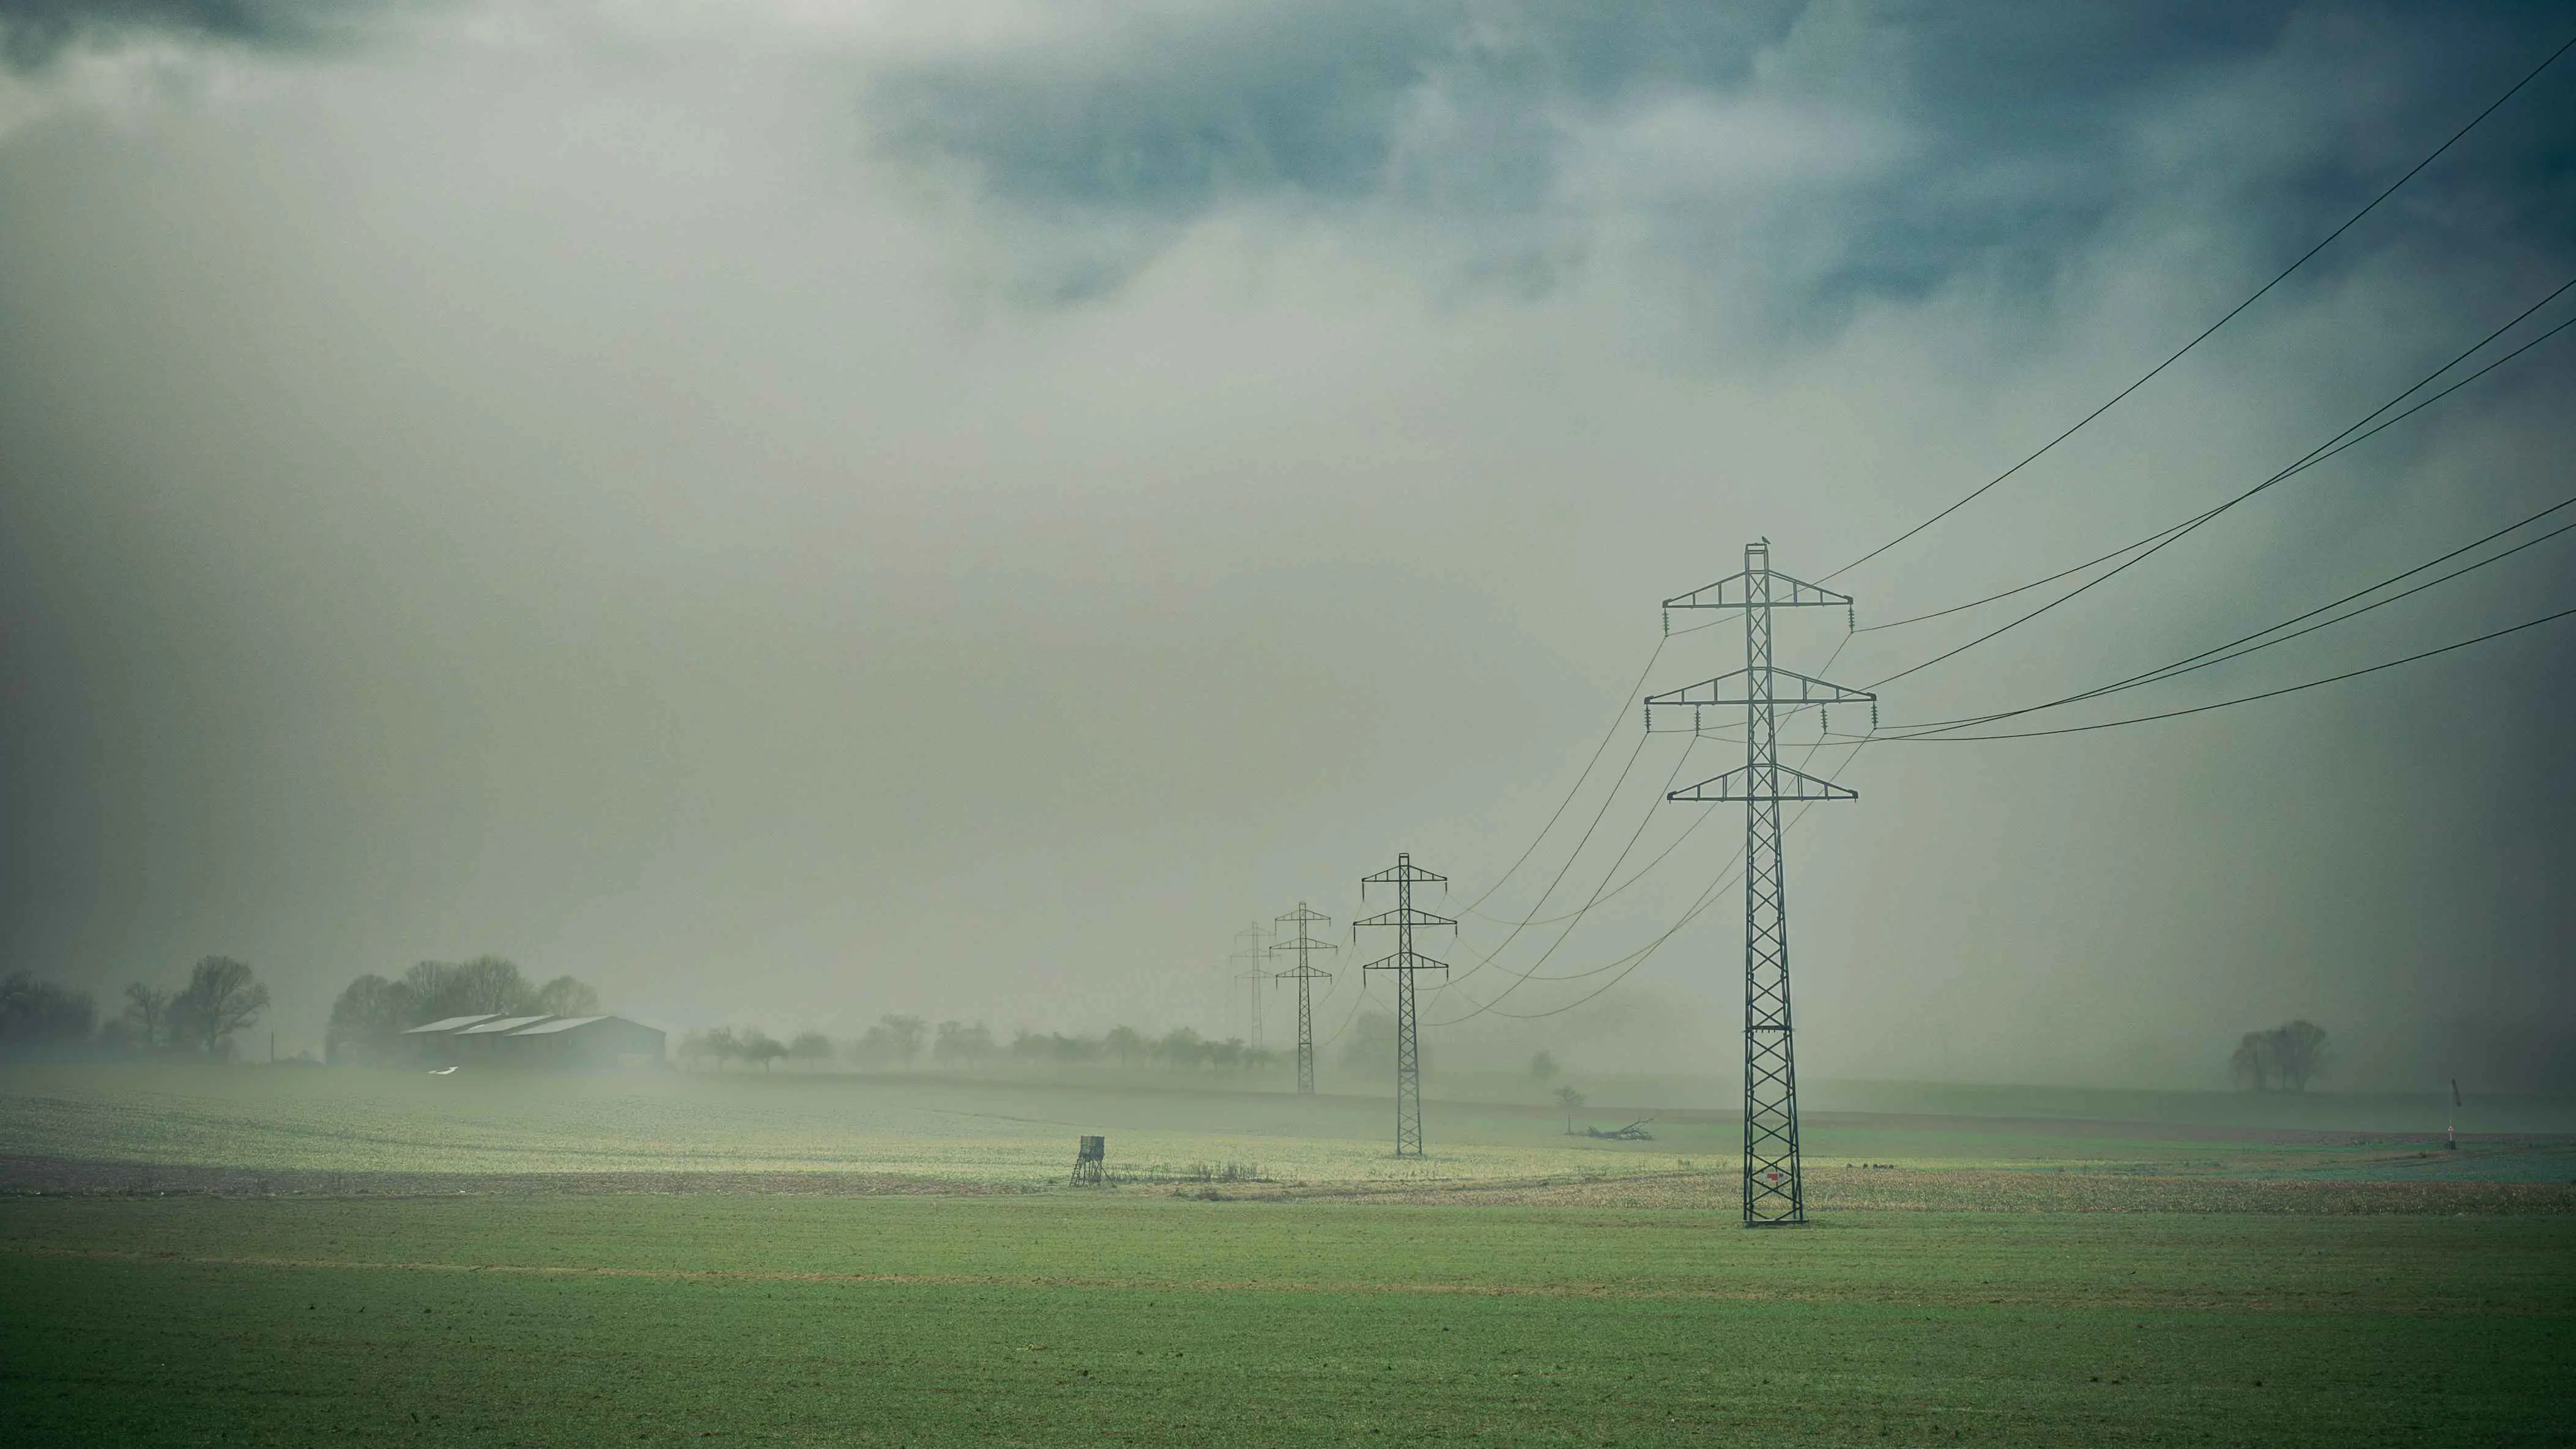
(1305, 975)
(1405, 961)
(1256, 970)
(1773, 1192)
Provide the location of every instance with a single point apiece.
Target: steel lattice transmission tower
(1305, 975)
(1255, 957)
(1773, 1192)
(1405, 961)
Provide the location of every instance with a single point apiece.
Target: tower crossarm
(1764, 783)
(1404, 873)
(1740, 591)
(1405, 961)
(1740, 687)
(1405, 916)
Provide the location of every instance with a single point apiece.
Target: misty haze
(976, 723)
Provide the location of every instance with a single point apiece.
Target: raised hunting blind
(1089, 1159)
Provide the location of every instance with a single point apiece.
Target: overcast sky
(795, 512)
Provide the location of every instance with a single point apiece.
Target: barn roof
(453, 1023)
(560, 1023)
(502, 1024)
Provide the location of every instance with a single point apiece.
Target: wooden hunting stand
(1087, 1162)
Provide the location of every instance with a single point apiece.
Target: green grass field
(337, 1258)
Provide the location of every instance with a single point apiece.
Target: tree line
(372, 1012)
(200, 1017)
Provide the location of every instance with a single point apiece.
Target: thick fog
(794, 513)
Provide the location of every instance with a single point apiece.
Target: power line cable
(1356, 1003)
(1707, 898)
(1943, 739)
(1643, 871)
(2015, 589)
(1980, 490)
(1689, 914)
(2240, 647)
(1597, 891)
(2351, 435)
(1577, 788)
(1577, 854)
(1600, 896)
(2166, 535)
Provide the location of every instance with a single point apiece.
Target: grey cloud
(2006, 137)
(34, 32)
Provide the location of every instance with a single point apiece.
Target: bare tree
(756, 1045)
(44, 1017)
(962, 1045)
(714, 1045)
(909, 1033)
(368, 1019)
(1125, 1044)
(147, 1008)
(493, 986)
(2284, 1057)
(1572, 1101)
(566, 996)
(222, 997)
(2298, 1053)
(2252, 1063)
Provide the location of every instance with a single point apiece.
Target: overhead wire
(1943, 739)
(1707, 898)
(2116, 398)
(2018, 588)
(1533, 974)
(1577, 787)
(1570, 859)
(2351, 435)
(2244, 645)
(1597, 891)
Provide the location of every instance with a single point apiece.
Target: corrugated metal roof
(560, 1023)
(450, 1024)
(506, 1023)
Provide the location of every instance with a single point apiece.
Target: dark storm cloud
(34, 32)
(2001, 138)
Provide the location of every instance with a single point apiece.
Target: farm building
(587, 1041)
(434, 1042)
(537, 1041)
